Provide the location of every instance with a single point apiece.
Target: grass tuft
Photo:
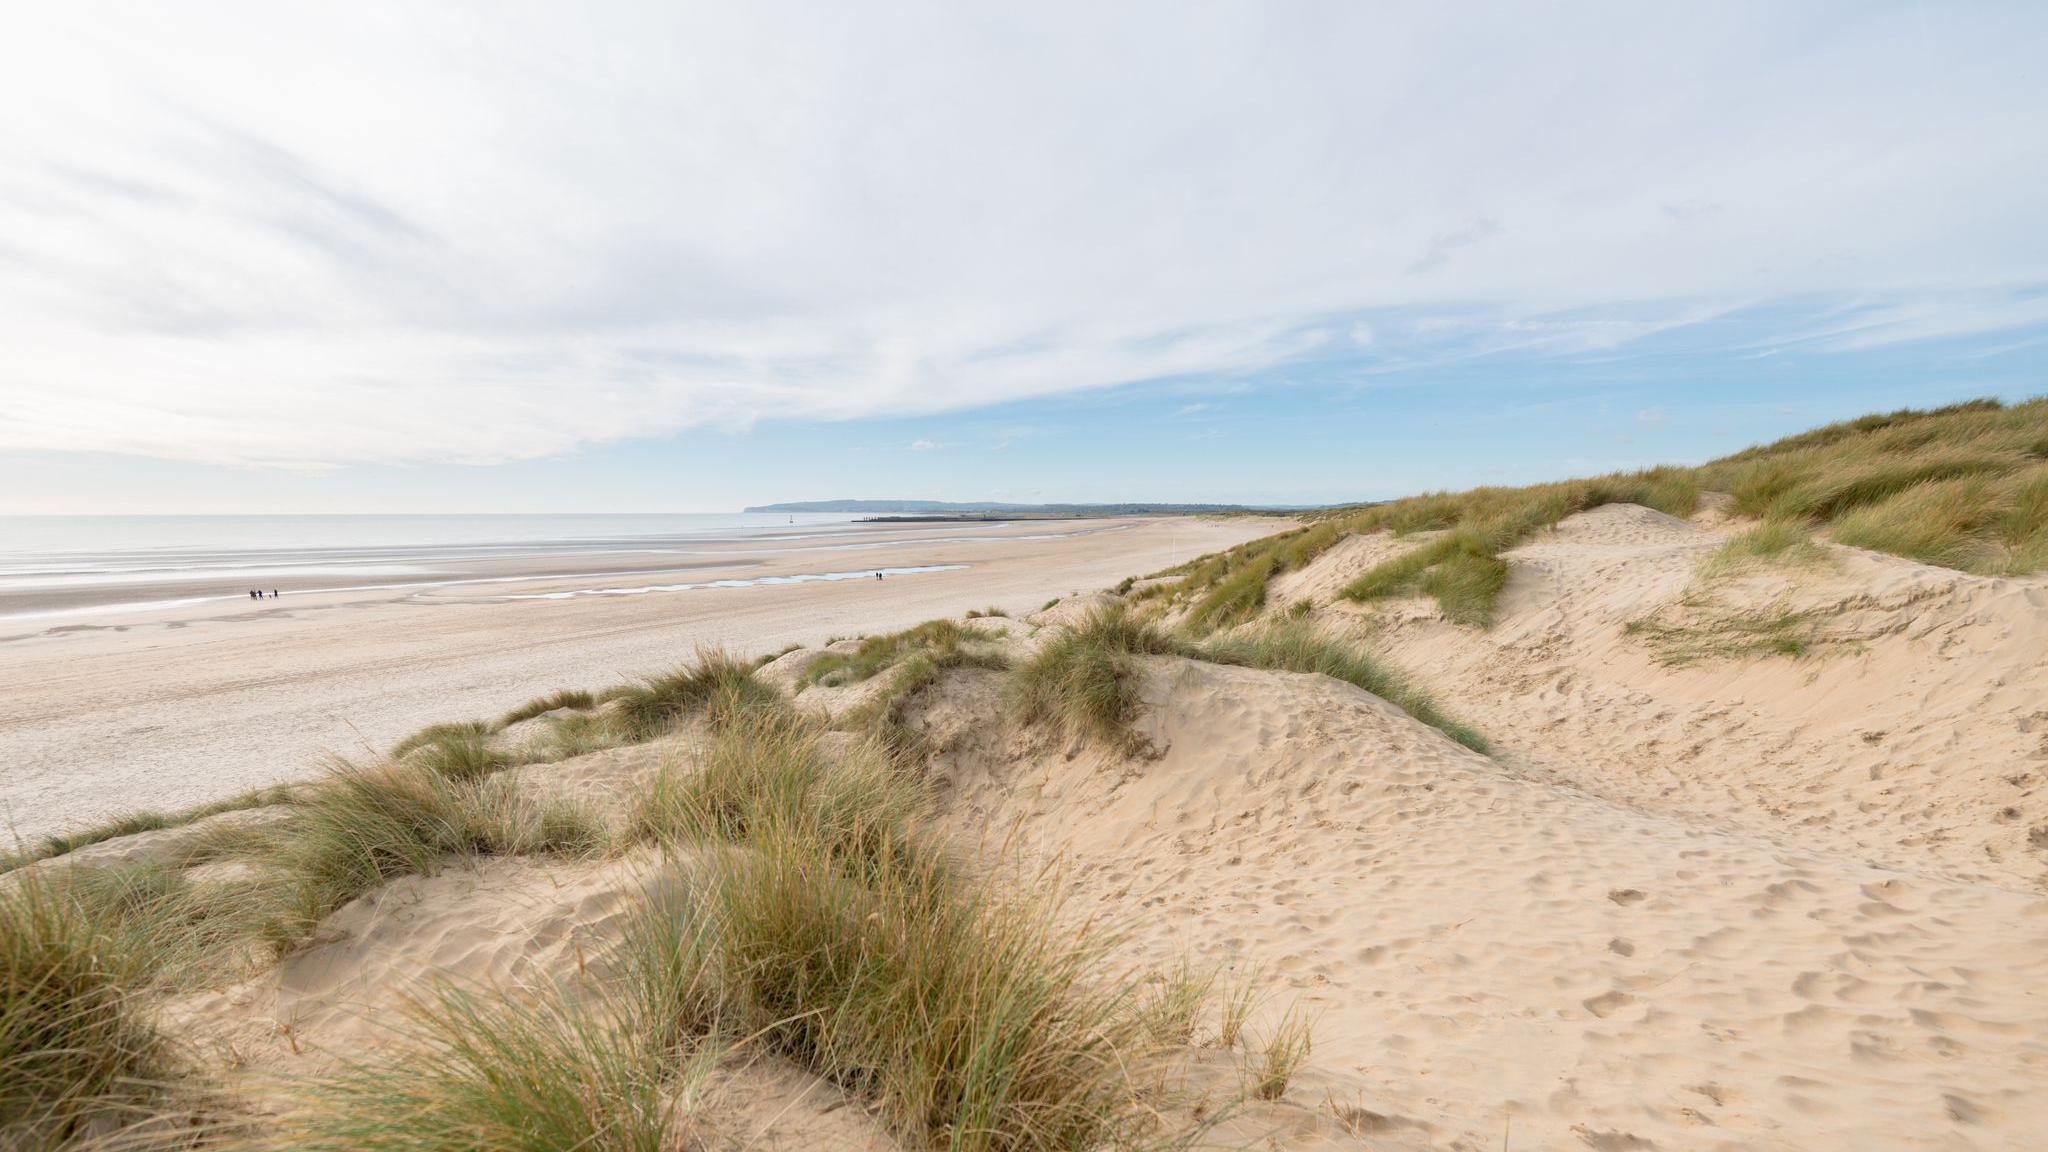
(1297, 646)
(574, 699)
(1974, 523)
(1463, 569)
(1286, 1051)
(1466, 582)
(436, 733)
(944, 642)
(532, 1073)
(1235, 598)
(74, 1046)
(1702, 631)
(835, 931)
(770, 770)
(358, 828)
(1239, 1001)
(81, 952)
(579, 734)
(1083, 680)
(131, 823)
(1172, 1009)
(1773, 541)
(1939, 486)
(1961, 486)
(459, 752)
(653, 706)
(968, 1020)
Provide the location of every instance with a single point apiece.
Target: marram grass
(821, 917)
(1296, 645)
(1962, 487)
(1083, 681)
(518, 1071)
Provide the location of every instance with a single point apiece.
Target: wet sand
(176, 706)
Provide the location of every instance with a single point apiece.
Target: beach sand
(1734, 904)
(1746, 903)
(101, 714)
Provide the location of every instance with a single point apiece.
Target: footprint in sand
(1608, 1003)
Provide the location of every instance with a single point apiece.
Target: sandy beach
(1548, 946)
(173, 707)
(952, 578)
(1565, 881)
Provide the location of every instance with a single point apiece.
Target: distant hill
(944, 507)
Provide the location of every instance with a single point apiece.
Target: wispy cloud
(1443, 244)
(285, 236)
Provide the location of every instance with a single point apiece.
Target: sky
(383, 257)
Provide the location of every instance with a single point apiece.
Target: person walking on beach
(273, 593)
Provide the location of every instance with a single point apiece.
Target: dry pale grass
(360, 827)
(148, 820)
(1778, 542)
(1083, 681)
(76, 1048)
(572, 699)
(83, 952)
(523, 1072)
(1296, 645)
(1286, 1050)
(1699, 629)
(1462, 569)
(653, 706)
(1962, 487)
(943, 643)
(1985, 524)
(1237, 1004)
(837, 931)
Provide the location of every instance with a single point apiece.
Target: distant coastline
(950, 510)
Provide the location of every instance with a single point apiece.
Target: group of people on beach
(257, 594)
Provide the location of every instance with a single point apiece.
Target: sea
(54, 566)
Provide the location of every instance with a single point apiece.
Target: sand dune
(1916, 736)
(1480, 945)
(1748, 902)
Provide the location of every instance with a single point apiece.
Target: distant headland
(924, 509)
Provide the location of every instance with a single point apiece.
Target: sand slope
(1481, 944)
(497, 927)
(1751, 903)
(1916, 738)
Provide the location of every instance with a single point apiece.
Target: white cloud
(1653, 416)
(923, 446)
(286, 235)
(1443, 244)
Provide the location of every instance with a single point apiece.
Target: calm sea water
(41, 550)
(57, 568)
